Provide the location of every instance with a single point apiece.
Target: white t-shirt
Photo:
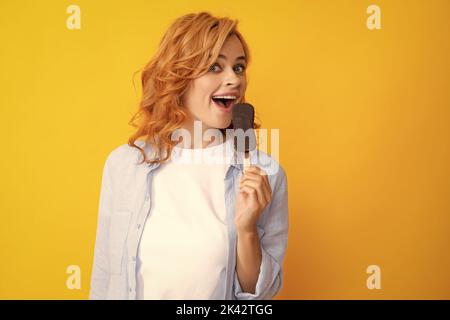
(184, 246)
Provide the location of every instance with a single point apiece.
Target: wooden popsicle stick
(246, 161)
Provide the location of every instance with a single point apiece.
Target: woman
(173, 228)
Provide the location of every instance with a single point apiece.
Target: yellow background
(363, 118)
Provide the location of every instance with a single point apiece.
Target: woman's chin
(223, 123)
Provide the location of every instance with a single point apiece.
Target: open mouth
(224, 101)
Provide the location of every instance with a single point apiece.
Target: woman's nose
(231, 77)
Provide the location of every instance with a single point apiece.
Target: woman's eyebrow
(238, 58)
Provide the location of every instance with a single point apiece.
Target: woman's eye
(213, 67)
(240, 68)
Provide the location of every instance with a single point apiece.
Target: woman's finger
(261, 172)
(261, 179)
(258, 188)
(255, 169)
(249, 191)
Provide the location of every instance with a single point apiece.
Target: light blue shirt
(125, 204)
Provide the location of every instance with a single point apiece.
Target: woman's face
(226, 77)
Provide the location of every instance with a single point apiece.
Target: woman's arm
(100, 269)
(248, 260)
(273, 244)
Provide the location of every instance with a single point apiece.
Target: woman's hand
(253, 197)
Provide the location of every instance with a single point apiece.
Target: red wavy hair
(187, 50)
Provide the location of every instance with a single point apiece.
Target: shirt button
(138, 226)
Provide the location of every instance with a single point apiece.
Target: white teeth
(224, 97)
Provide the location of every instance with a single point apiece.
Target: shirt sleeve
(100, 269)
(273, 245)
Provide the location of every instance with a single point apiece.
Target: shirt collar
(236, 161)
